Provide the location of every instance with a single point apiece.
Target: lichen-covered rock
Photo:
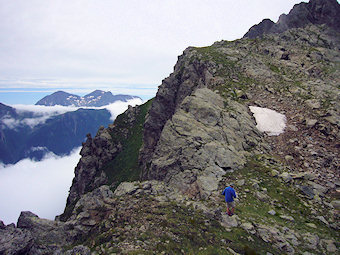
(15, 240)
(201, 142)
(47, 235)
(78, 250)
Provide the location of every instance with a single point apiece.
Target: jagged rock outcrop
(95, 152)
(316, 12)
(201, 142)
(14, 240)
(187, 76)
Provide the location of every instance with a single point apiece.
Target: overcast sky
(123, 46)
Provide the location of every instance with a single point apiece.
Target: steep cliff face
(203, 140)
(199, 135)
(315, 12)
(110, 157)
(295, 72)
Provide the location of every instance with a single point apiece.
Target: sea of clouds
(41, 113)
(37, 186)
(42, 186)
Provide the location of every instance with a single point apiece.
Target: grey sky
(89, 43)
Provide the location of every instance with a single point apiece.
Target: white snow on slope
(269, 121)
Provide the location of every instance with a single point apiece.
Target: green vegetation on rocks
(124, 167)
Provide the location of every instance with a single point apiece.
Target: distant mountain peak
(316, 12)
(96, 98)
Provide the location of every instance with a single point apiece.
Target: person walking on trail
(230, 194)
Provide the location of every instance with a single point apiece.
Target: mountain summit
(316, 12)
(96, 98)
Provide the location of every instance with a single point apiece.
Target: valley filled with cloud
(41, 186)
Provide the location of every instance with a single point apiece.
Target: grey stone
(322, 219)
(311, 241)
(286, 177)
(48, 235)
(126, 188)
(229, 222)
(313, 103)
(311, 122)
(272, 212)
(311, 225)
(329, 245)
(307, 191)
(79, 250)
(15, 241)
(319, 188)
(240, 182)
(255, 185)
(336, 204)
(262, 196)
(289, 158)
(202, 135)
(286, 217)
(274, 173)
(247, 226)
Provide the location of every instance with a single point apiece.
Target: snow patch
(269, 121)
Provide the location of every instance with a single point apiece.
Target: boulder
(311, 241)
(15, 241)
(286, 177)
(329, 245)
(229, 221)
(313, 103)
(79, 250)
(307, 191)
(286, 217)
(48, 235)
(321, 190)
(247, 226)
(336, 204)
(272, 212)
(126, 188)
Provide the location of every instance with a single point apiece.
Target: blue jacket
(229, 193)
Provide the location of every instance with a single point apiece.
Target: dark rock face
(315, 12)
(95, 152)
(15, 240)
(180, 84)
(260, 29)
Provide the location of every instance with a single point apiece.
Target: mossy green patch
(124, 167)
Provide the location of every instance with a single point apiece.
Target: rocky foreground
(151, 182)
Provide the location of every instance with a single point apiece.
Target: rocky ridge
(198, 136)
(316, 12)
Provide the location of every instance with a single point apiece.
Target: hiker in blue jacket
(230, 194)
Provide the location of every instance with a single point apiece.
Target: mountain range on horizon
(151, 182)
(96, 98)
(58, 134)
